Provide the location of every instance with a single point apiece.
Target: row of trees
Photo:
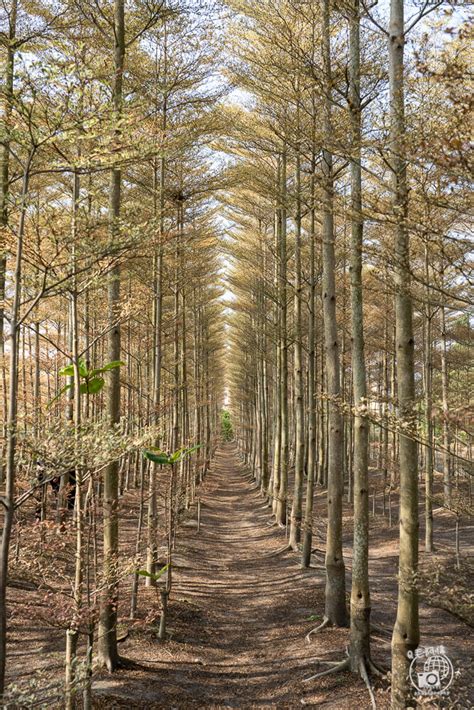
(110, 336)
(348, 246)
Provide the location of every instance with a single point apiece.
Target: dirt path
(239, 614)
(238, 617)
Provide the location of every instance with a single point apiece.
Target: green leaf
(190, 451)
(186, 452)
(162, 571)
(82, 368)
(156, 576)
(68, 370)
(60, 393)
(176, 456)
(92, 386)
(180, 454)
(161, 459)
(109, 366)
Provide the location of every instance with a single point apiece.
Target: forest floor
(239, 613)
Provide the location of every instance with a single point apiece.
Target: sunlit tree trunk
(445, 404)
(72, 634)
(428, 371)
(406, 631)
(296, 511)
(335, 608)
(8, 500)
(283, 489)
(359, 649)
(7, 95)
(276, 468)
(312, 448)
(108, 652)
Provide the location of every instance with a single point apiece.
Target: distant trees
(226, 426)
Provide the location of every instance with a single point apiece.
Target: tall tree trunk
(297, 507)
(176, 342)
(445, 403)
(108, 652)
(335, 608)
(8, 500)
(428, 368)
(72, 634)
(406, 633)
(284, 455)
(359, 649)
(4, 190)
(276, 467)
(312, 448)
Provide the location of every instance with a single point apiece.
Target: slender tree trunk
(263, 404)
(7, 94)
(8, 500)
(297, 507)
(108, 651)
(359, 649)
(72, 634)
(335, 611)
(445, 402)
(406, 633)
(312, 450)
(428, 367)
(278, 385)
(284, 455)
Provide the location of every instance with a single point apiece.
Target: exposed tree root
(341, 666)
(280, 550)
(338, 666)
(375, 669)
(317, 659)
(321, 626)
(365, 677)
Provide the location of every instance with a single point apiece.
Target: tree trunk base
(339, 666)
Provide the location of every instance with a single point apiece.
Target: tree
(406, 630)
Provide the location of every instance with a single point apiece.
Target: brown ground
(239, 614)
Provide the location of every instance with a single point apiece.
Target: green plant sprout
(161, 457)
(154, 576)
(91, 382)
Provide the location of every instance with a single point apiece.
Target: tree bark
(406, 631)
(4, 190)
(335, 595)
(284, 443)
(445, 401)
(359, 648)
(297, 506)
(8, 501)
(312, 446)
(108, 651)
